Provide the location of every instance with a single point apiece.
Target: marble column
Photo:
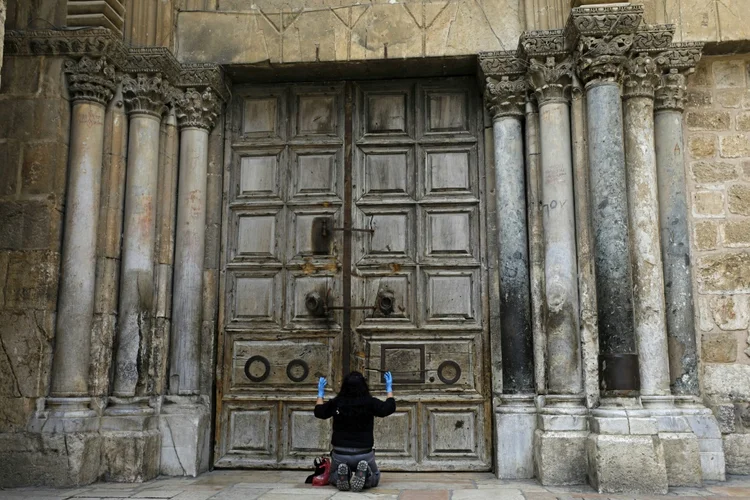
(91, 85)
(648, 295)
(673, 218)
(144, 98)
(506, 100)
(550, 80)
(515, 419)
(196, 115)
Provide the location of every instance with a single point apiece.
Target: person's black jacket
(353, 419)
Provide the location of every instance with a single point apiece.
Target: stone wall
(33, 160)
(717, 124)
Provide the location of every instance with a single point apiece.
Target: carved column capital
(602, 38)
(551, 78)
(641, 76)
(506, 96)
(675, 64)
(90, 79)
(146, 93)
(197, 108)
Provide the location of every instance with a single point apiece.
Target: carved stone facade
(133, 246)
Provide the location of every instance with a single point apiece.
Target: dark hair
(353, 399)
(354, 387)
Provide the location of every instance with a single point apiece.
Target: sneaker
(359, 477)
(342, 483)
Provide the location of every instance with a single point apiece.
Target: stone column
(675, 251)
(196, 115)
(648, 297)
(624, 450)
(674, 216)
(144, 98)
(91, 84)
(505, 96)
(559, 446)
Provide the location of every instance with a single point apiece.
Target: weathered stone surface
(725, 417)
(707, 120)
(714, 172)
(31, 280)
(560, 457)
(728, 74)
(129, 456)
(730, 98)
(10, 155)
(737, 453)
(727, 381)
(698, 98)
(730, 312)
(736, 233)
(59, 460)
(25, 339)
(708, 203)
(43, 168)
(735, 146)
(702, 146)
(739, 197)
(719, 348)
(515, 443)
(14, 411)
(28, 225)
(186, 437)
(726, 272)
(630, 463)
(706, 234)
(682, 458)
(743, 121)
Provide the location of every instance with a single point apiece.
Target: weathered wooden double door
(355, 237)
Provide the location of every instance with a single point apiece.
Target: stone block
(10, 154)
(672, 424)
(699, 98)
(706, 235)
(743, 413)
(26, 352)
(55, 460)
(31, 280)
(727, 382)
(708, 204)
(727, 272)
(703, 76)
(130, 456)
(739, 199)
(682, 458)
(20, 75)
(713, 466)
(632, 464)
(730, 98)
(714, 172)
(743, 121)
(725, 417)
(736, 233)
(645, 426)
(737, 453)
(735, 146)
(702, 146)
(730, 312)
(43, 168)
(560, 457)
(515, 445)
(15, 412)
(729, 74)
(610, 425)
(186, 436)
(704, 425)
(719, 348)
(707, 120)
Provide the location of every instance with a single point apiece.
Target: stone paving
(289, 485)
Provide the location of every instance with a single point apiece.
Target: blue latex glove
(322, 387)
(388, 381)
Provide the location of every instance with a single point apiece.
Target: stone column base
(560, 441)
(625, 452)
(185, 424)
(704, 425)
(61, 448)
(515, 423)
(131, 441)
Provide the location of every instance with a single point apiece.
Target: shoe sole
(343, 480)
(358, 480)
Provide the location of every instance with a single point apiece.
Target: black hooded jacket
(353, 419)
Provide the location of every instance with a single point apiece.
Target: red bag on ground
(322, 472)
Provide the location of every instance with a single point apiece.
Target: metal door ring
(446, 365)
(266, 373)
(290, 367)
